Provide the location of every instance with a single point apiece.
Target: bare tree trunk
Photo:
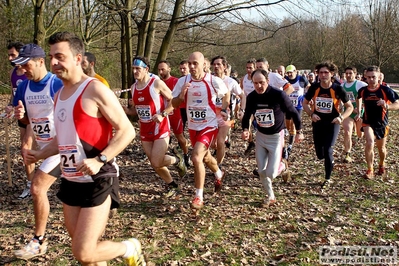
(39, 33)
(168, 39)
(151, 31)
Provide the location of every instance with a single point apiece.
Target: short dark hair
(16, 45)
(262, 60)
(351, 68)
(373, 68)
(184, 62)
(224, 60)
(329, 65)
(165, 62)
(76, 44)
(90, 57)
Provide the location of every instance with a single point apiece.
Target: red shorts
(176, 123)
(206, 136)
(153, 137)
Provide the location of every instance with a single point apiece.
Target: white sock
(129, 249)
(199, 192)
(218, 174)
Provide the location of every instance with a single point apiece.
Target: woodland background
(303, 33)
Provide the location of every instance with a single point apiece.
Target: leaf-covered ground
(233, 228)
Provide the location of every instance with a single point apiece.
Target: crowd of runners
(79, 127)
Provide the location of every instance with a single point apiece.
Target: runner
(325, 115)
(152, 103)
(17, 75)
(377, 99)
(184, 71)
(89, 61)
(247, 86)
(34, 105)
(92, 129)
(175, 119)
(199, 91)
(300, 85)
(219, 64)
(351, 86)
(268, 105)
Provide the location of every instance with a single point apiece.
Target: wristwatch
(164, 114)
(102, 158)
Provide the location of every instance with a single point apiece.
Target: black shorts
(20, 124)
(87, 195)
(380, 132)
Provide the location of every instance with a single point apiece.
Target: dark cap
(28, 52)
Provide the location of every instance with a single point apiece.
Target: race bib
(324, 105)
(41, 128)
(144, 113)
(69, 155)
(351, 96)
(197, 114)
(294, 99)
(265, 117)
(218, 103)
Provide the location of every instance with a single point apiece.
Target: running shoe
(197, 203)
(326, 185)
(227, 144)
(348, 159)
(25, 194)
(171, 192)
(32, 249)
(250, 147)
(381, 170)
(176, 150)
(255, 172)
(369, 174)
(285, 174)
(187, 160)
(181, 166)
(137, 259)
(219, 183)
(268, 203)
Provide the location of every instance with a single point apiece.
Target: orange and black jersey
(326, 101)
(375, 115)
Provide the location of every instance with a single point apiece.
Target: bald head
(196, 64)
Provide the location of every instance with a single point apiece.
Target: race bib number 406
(324, 105)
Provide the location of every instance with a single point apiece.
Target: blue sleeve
(57, 85)
(20, 93)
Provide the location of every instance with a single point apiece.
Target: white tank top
(40, 107)
(69, 145)
(247, 85)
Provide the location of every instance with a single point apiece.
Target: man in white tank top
(34, 106)
(219, 64)
(199, 91)
(89, 183)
